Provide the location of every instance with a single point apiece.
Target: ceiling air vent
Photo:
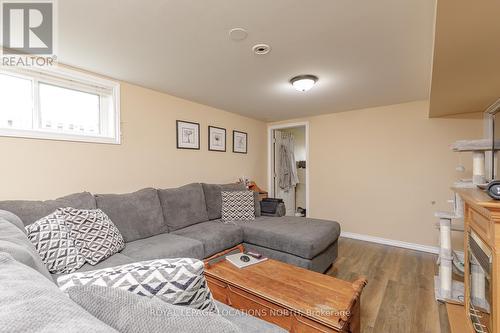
(261, 49)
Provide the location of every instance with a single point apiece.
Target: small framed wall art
(240, 142)
(216, 138)
(188, 135)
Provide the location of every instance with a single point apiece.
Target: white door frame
(270, 129)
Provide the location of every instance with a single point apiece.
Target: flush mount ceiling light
(303, 82)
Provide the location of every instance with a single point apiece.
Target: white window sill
(46, 135)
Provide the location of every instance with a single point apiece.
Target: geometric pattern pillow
(56, 247)
(238, 206)
(95, 235)
(175, 281)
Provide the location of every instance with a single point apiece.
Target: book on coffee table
(236, 260)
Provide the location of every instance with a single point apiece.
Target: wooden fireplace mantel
(482, 215)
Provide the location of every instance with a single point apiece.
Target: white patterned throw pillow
(95, 235)
(175, 281)
(238, 206)
(53, 241)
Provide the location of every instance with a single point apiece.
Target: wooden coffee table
(294, 298)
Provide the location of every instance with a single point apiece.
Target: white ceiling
(366, 53)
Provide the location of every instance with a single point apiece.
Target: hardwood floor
(399, 297)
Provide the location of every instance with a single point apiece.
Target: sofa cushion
(95, 235)
(14, 219)
(31, 211)
(15, 242)
(183, 206)
(164, 246)
(137, 215)
(303, 237)
(178, 281)
(31, 303)
(53, 241)
(115, 260)
(320, 263)
(215, 235)
(131, 313)
(213, 197)
(247, 323)
(256, 200)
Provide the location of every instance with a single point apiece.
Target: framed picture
(216, 138)
(188, 135)
(240, 142)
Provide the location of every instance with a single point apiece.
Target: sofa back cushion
(31, 303)
(15, 242)
(213, 197)
(183, 206)
(256, 201)
(137, 215)
(31, 211)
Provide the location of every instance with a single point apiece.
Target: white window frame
(65, 77)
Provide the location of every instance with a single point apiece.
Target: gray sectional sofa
(181, 222)
(185, 222)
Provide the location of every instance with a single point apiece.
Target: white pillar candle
(445, 238)
(478, 285)
(478, 167)
(445, 258)
(445, 271)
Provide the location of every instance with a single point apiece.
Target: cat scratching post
(444, 286)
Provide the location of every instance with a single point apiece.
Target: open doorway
(288, 166)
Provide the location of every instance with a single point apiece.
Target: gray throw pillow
(175, 281)
(96, 237)
(31, 303)
(129, 313)
(238, 206)
(53, 241)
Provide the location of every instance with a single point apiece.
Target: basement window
(59, 104)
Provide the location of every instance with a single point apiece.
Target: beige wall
(38, 169)
(379, 171)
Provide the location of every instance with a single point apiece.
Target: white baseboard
(391, 242)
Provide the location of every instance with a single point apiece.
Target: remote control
(255, 255)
